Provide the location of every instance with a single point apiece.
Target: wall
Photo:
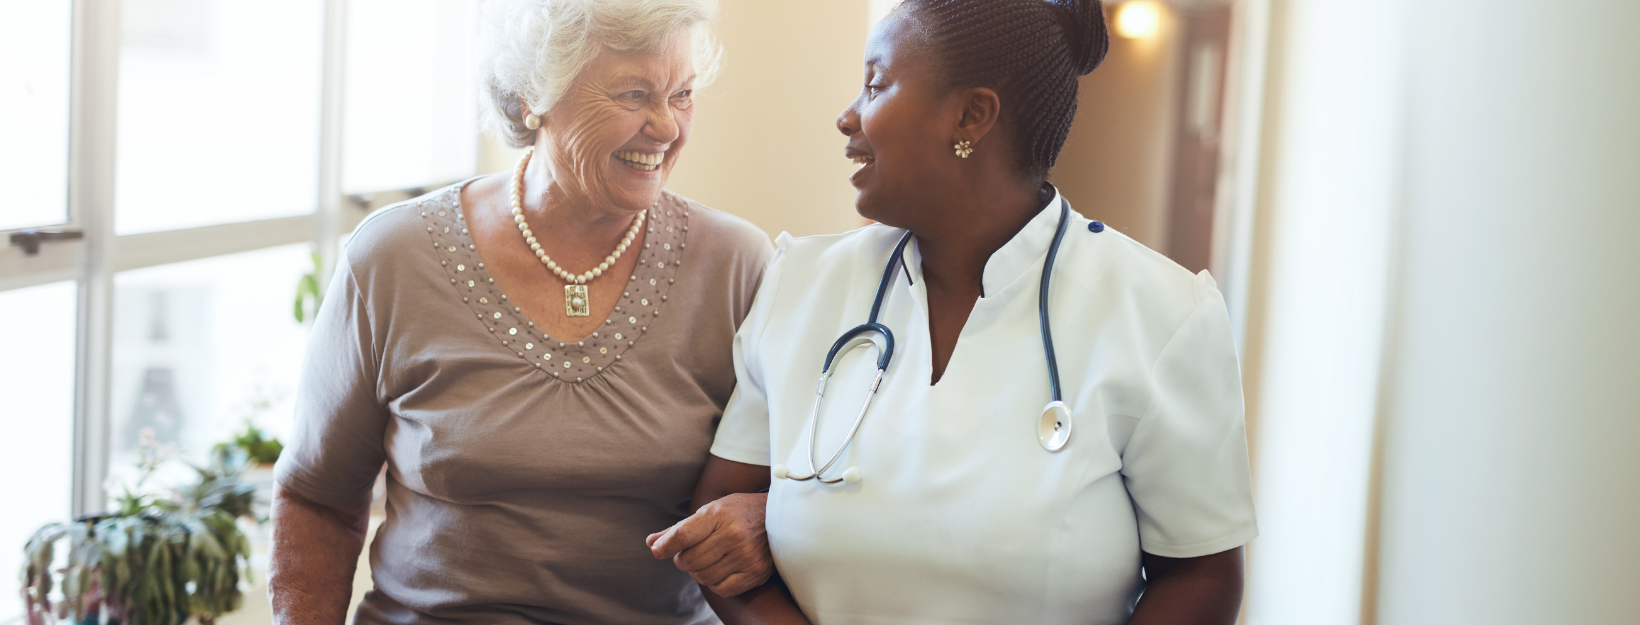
(1116, 165)
(766, 145)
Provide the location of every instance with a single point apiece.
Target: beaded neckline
(640, 307)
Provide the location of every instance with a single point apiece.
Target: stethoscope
(1053, 430)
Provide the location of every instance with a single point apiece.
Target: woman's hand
(722, 546)
(1193, 591)
(315, 550)
(727, 527)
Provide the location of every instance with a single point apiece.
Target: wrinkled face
(901, 126)
(615, 135)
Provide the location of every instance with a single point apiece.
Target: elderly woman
(538, 357)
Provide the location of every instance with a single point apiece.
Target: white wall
(1512, 458)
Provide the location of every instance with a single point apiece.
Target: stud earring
(964, 148)
(532, 121)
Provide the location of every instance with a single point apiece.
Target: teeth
(862, 161)
(640, 160)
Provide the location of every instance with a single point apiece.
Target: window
(411, 111)
(37, 452)
(172, 167)
(218, 112)
(34, 76)
(200, 347)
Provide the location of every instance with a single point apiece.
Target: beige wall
(1116, 165)
(766, 145)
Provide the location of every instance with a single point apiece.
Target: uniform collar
(1007, 263)
(1024, 250)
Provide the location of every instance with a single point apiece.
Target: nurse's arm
(1204, 590)
(706, 544)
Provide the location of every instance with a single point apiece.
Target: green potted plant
(308, 294)
(260, 448)
(157, 559)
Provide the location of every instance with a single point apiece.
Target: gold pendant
(576, 302)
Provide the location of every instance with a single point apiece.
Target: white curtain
(1444, 361)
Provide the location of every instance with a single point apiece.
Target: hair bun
(1085, 31)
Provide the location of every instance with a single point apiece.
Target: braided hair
(1029, 51)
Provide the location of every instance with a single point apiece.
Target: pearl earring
(532, 121)
(964, 148)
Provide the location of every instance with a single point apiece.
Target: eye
(635, 94)
(682, 100)
(872, 90)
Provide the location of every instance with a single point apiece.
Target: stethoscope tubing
(859, 335)
(814, 426)
(848, 341)
(1042, 301)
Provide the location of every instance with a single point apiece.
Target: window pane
(411, 100)
(202, 346)
(218, 113)
(37, 452)
(34, 72)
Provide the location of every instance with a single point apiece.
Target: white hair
(531, 50)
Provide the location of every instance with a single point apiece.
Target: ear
(980, 110)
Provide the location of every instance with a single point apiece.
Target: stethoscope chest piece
(1054, 429)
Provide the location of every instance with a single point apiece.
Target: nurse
(959, 509)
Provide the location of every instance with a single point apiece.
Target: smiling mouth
(862, 161)
(641, 161)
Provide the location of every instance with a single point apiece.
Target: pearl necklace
(576, 301)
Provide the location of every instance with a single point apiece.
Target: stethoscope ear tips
(782, 472)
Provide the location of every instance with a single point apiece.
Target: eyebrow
(631, 81)
(639, 81)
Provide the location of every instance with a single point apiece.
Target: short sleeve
(743, 433)
(339, 442)
(1186, 466)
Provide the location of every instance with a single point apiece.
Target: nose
(663, 125)
(848, 122)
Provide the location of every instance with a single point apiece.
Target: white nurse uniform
(961, 516)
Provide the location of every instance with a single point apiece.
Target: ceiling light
(1138, 19)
